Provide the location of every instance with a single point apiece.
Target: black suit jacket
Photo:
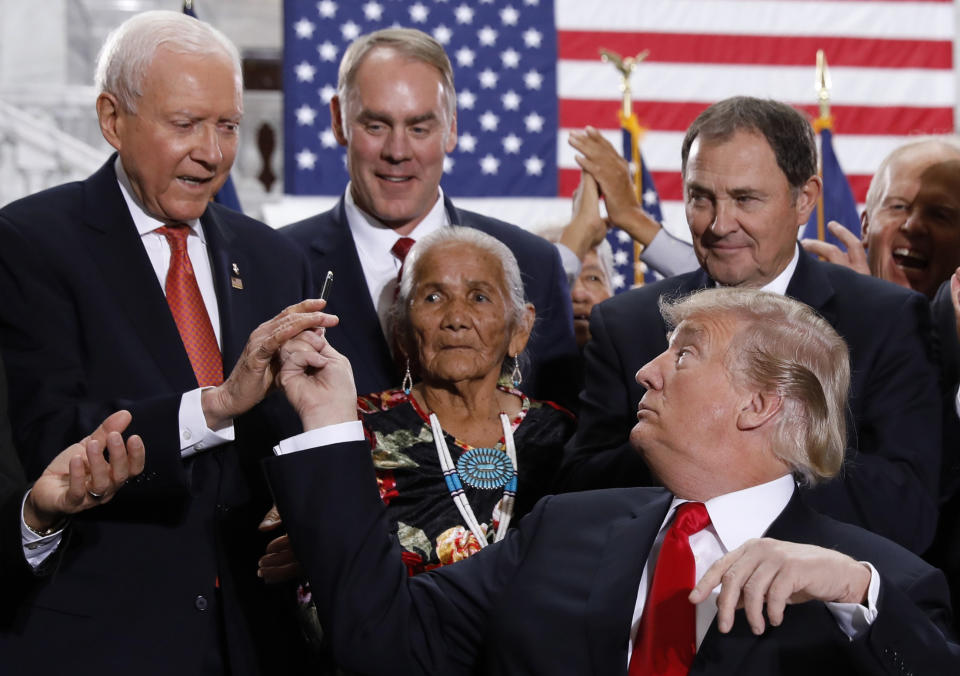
(13, 568)
(557, 595)
(86, 330)
(945, 552)
(552, 349)
(894, 406)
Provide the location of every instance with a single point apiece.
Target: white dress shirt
(374, 240)
(667, 255)
(734, 519)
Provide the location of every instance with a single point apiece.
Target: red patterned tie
(400, 249)
(667, 638)
(188, 310)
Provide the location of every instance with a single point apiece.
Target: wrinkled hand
(586, 229)
(774, 573)
(256, 370)
(279, 563)
(600, 159)
(318, 381)
(855, 257)
(597, 156)
(66, 484)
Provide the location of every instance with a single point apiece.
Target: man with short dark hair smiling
(750, 181)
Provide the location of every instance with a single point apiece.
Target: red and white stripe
(891, 66)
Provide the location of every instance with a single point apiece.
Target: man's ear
(451, 135)
(336, 121)
(807, 198)
(864, 226)
(758, 409)
(110, 118)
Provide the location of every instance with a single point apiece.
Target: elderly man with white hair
(131, 290)
(724, 570)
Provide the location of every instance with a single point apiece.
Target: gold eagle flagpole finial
(625, 66)
(822, 84)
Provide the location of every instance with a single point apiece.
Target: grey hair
(130, 48)
(398, 319)
(785, 347)
(409, 43)
(605, 256)
(945, 144)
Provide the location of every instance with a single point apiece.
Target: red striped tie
(667, 638)
(188, 310)
(400, 249)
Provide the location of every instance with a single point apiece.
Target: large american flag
(528, 71)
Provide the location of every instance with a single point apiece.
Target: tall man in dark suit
(750, 180)
(395, 111)
(166, 574)
(652, 578)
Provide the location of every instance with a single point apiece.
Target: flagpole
(822, 86)
(629, 122)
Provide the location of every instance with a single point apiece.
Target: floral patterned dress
(429, 526)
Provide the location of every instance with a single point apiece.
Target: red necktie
(667, 638)
(400, 249)
(188, 310)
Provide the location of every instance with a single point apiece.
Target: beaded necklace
(481, 468)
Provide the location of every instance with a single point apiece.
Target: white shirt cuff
(856, 618)
(956, 403)
(322, 436)
(37, 548)
(195, 436)
(669, 255)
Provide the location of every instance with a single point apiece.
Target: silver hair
(603, 250)
(784, 346)
(605, 256)
(398, 320)
(130, 48)
(408, 42)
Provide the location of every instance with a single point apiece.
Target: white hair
(130, 48)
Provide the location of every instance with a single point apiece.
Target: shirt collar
(370, 235)
(736, 517)
(780, 283)
(144, 222)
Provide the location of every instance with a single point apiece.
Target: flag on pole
(528, 72)
(227, 195)
(628, 270)
(836, 202)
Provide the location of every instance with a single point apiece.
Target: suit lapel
(115, 246)
(223, 256)
(614, 596)
(811, 285)
(350, 300)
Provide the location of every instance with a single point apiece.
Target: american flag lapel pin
(235, 280)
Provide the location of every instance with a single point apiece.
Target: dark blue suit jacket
(13, 568)
(557, 595)
(86, 330)
(889, 482)
(552, 349)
